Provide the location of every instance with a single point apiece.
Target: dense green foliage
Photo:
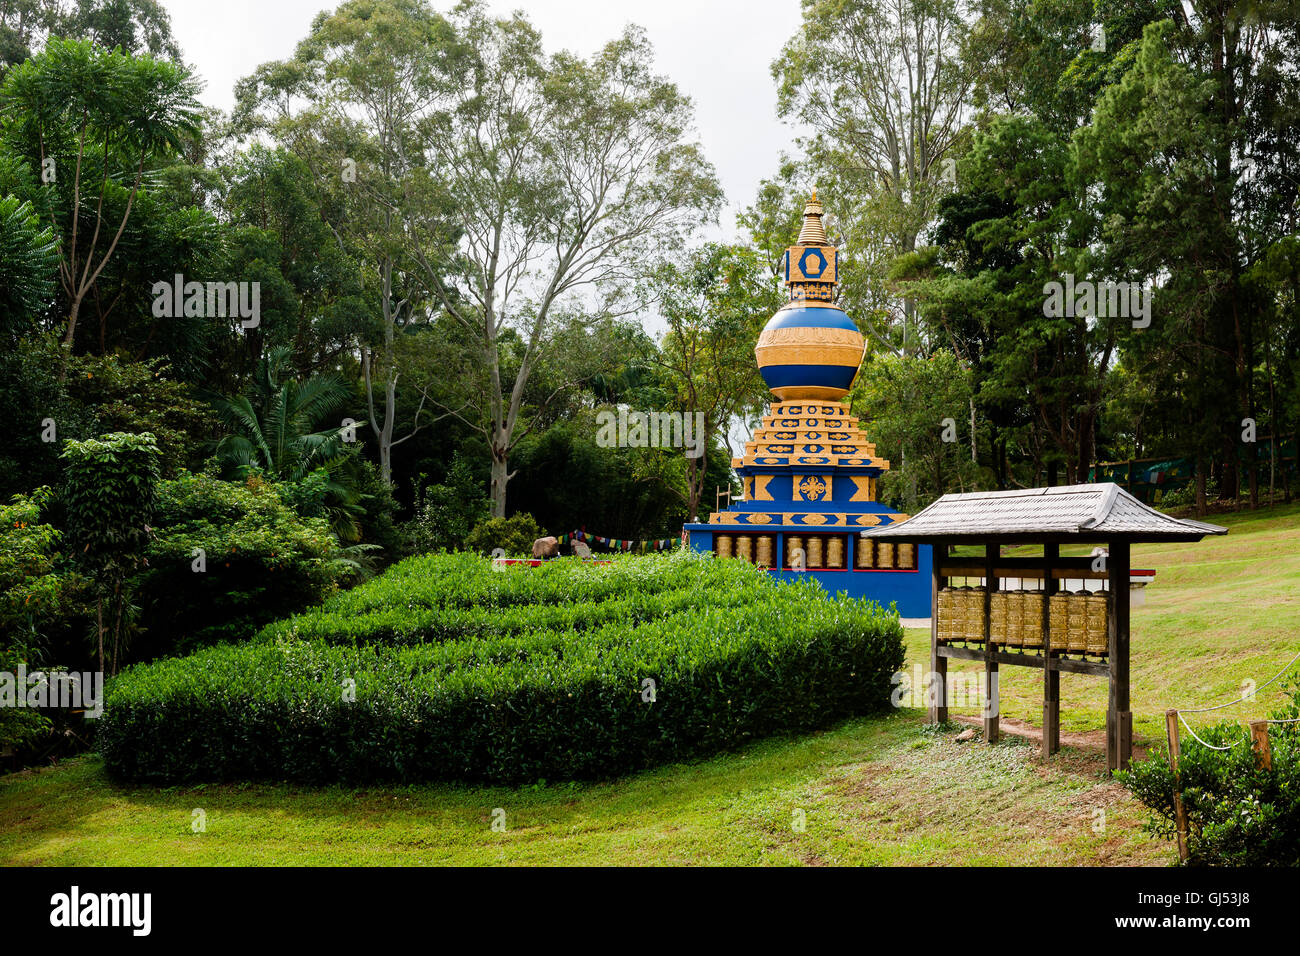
(226, 558)
(1238, 813)
(695, 656)
(511, 537)
(37, 597)
(110, 489)
(445, 513)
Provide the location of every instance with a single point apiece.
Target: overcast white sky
(717, 51)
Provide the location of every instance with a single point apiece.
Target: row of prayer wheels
(814, 551)
(1077, 621)
(754, 548)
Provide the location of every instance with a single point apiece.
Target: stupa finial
(812, 233)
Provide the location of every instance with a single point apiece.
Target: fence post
(1259, 743)
(1180, 812)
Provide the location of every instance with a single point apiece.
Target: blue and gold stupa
(809, 474)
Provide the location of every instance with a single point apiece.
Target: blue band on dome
(811, 319)
(826, 376)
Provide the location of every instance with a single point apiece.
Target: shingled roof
(1085, 513)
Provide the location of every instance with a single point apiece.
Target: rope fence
(1257, 736)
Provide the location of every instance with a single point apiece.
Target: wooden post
(1180, 813)
(938, 696)
(992, 704)
(1051, 676)
(1119, 719)
(1259, 743)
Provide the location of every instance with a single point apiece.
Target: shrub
(513, 536)
(38, 598)
(141, 397)
(109, 491)
(1238, 813)
(260, 560)
(446, 513)
(738, 658)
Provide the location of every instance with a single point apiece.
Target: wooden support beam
(1062, 664)
(1180, 812)
(1068, 567)
(937, 692)
(992, 704)
(1119, 719)
(1051, 675)
(1260, 744)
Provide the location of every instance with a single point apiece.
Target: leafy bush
(513, 536)
(1238, 813)
(732, 655)
(109, 490)
(37, 597)
(131, 396)
(446, 513)
(259, 559)
(1185, 496)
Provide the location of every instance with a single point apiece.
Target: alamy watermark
(208, 300)
(127, 910)
(628, 429)
(68, 690)
(1103, 300)
(959, 689)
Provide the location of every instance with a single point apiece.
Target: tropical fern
(28, 257)
(276, 431)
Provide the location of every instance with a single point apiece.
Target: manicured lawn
(873, 791)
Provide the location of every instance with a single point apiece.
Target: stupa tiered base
(809, 476)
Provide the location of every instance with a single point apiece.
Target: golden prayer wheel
(1096, 623)
(973, 619)
(724, 545)
(864, 553)
(999, 618)
(1014, 615)
(745, 547)
(1076, 632)
(907, 555)
(794, 553)
(835, 552)
(959, 602)
(943, 619)
(766, 544)
(1058, 607)
(885, 554)
(815, 552)
(1031, 619)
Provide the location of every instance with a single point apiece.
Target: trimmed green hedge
(746, 659)
(453, 597)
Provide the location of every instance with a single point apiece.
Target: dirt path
(1094, 740)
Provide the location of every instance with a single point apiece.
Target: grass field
(870, 791)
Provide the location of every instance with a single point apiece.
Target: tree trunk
(500, 478)
(68, 340)
(1200, 486)
(99, 629)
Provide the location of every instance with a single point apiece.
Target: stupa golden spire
(810, 349)
(812, 233)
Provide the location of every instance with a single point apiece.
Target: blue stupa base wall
(908, 590)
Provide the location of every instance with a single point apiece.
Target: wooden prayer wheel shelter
(1001, 621)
